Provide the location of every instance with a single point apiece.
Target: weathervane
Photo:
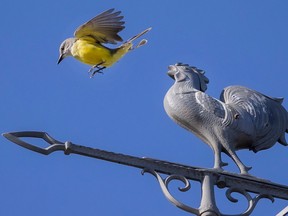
(241, 119)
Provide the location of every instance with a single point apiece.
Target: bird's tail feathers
(138, 35)
(141, 43)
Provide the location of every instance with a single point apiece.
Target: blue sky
(235, 42)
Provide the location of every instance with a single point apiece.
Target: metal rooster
(241, 119)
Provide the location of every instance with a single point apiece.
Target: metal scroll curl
(252, 202)
(164, 184)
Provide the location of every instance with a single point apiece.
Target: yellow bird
(87, 44)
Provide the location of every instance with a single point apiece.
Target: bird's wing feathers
(236, 94)
(267, 114)
(249, 103)
(210, 104)
(104, 27)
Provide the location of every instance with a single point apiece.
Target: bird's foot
(92, 72)
(219, 164)
(244, 170)
(218, 169)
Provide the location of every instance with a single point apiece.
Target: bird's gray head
(65, 49)
(184, 73)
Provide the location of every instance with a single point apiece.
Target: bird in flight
(87, 43)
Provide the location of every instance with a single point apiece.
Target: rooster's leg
(218, 163)
(243, 169)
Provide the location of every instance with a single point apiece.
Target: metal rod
(224, 179)
(208, 205)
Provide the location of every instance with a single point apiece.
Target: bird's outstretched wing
(104, 27)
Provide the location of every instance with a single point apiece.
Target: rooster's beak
(172, 71)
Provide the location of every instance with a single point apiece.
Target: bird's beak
(172, 71)
(61, 57)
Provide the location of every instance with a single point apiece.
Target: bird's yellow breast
(86, 50)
